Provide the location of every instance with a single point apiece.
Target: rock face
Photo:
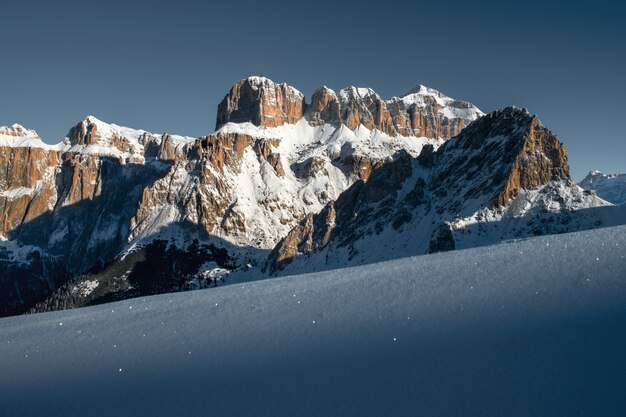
(27, 176)
(496, 157)
(422, 112)
(261, 102)
(504, 169)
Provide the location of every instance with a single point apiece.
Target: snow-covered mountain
(127, 212)
(611, 187)
(503, 177)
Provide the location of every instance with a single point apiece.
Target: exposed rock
(324, 107)
(261, 102)
(422, 112)
(445, 196)
(497, 156)
(264, 148)
(442, 239)
(339, 220)
(27, 187)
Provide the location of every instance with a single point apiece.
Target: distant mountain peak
(611, 187)
(422, 90)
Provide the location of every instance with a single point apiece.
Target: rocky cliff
(261, 102)
(422, 112)
(504, 176)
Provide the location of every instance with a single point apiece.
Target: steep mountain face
(505, 176)
(261, 102)
(611, 187)
(27, 177)
(108, 191)
(113, 212)
(422, 112)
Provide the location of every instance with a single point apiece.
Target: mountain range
(283, 186)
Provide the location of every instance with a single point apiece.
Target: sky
(164, 66)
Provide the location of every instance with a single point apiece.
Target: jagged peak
(323, 89)
(17, 130)
(262, 102)
(353, 92)
(260, 81)
(90, 119)
(599, 174)
(421, 89)
(17, 136)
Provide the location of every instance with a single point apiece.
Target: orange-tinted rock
(261, 102)
(324, 107)
(26, 184)
(265, 152)
(541, 159)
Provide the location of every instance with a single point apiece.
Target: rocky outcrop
(496, 157)
(422, 112)
(265, 150)
(346, 219)
(27, 171)
(441, 195)
(324, 108)
(261, 102)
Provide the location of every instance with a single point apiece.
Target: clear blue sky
(164, 66)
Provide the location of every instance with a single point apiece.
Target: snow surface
(534, 327)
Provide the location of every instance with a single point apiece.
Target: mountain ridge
(104, 205)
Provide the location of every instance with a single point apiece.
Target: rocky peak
(421, 112)
(18, 131)
(611, 187)
(85, 132)
(495, 157)
(481, 173)
(324, 108)
(262, 102)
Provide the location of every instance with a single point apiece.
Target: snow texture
(533, 327)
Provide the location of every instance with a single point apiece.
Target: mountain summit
(113, 212)
(423, 112)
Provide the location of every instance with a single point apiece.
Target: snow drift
(533, 327)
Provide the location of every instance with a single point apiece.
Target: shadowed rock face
(261, 102)
(486, 166)
(345, 218)
(495, 157)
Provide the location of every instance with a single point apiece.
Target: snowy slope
(533, 327)
(611, 187)
(16, 136)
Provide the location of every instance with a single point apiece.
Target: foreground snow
(534, 327)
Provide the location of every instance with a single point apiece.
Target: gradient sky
(164, 66)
